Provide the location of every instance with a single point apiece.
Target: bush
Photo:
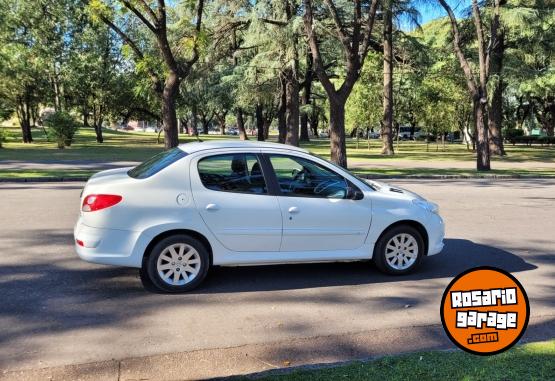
(512, 133)
(61, 128)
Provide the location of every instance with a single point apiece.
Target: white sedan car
(231, 203)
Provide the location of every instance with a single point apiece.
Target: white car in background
(233, 203)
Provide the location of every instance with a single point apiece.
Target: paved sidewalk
(265, 358)
(449, 164)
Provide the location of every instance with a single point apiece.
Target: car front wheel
(177, 263)
(399, 250)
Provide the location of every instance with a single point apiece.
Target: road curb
(254, 360)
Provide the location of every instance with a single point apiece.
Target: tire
(395, 253)
(177, 263)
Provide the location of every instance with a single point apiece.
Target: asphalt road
(56, 309)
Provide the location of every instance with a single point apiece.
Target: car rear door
(231, 195)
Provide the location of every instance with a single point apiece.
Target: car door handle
(213, 207)
(293, 210)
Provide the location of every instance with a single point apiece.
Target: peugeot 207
(231, 203)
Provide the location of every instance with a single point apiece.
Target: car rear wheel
(399, 250)
(177, 263)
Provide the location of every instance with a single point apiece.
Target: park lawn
(378, 173)
(138, 146)
(535, 361)
(450, 172)
(46, 174)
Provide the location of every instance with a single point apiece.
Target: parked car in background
(374, 134)
(231, 203)
(409, 133)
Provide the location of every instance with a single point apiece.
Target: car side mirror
(353, 194)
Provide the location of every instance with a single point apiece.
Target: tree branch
(273, 22)
(470, 80)
(146, 8)
(315, 49)
(481, 43)
(342, 34)
(156, 82)
(367, 40)
(141, 17)
(123, 36)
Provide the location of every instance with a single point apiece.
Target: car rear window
(156, 163)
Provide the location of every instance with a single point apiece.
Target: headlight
(429, 206)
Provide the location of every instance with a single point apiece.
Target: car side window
(300, 177)
(240, 173)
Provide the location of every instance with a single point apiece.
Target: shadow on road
(458, 255)
(56, 294)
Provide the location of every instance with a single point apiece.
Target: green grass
(137, 146)
(39, 174)
(117, 146)
(423, 172)
(534, 361)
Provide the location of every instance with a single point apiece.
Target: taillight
(94, 202)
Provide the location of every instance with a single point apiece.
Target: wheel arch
(171, 232)
(412, 223)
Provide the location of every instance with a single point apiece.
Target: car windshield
(156, 163)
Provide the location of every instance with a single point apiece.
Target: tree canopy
(301, 67)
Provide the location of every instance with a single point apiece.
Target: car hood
(395, 191)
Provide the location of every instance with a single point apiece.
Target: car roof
(219, 144)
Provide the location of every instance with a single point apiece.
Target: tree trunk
(221, 122)
(205, 124)
(24, 117)
(476, 89)
(482, 146)
(314, 119)
(307, 88)
(545, 113)
(169, 117)
(85, 116)
(282, 125)
(241, 125)
(496, 106)
(266, 127)
(292, 108)
(98, 131)
(387, 123)
(259, 123)
(337, 132)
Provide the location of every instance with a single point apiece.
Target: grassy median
(411, 158)
(534, 361)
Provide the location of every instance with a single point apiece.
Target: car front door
(318, 213)
(231, 195)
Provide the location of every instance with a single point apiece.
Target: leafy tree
(352, 28)
(177, 47)
(477, 85)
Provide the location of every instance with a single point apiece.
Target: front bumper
(436, 234)
(107, 246)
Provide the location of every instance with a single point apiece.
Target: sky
(431, 9)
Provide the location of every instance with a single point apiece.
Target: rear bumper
(436, 233)
(107, 246)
